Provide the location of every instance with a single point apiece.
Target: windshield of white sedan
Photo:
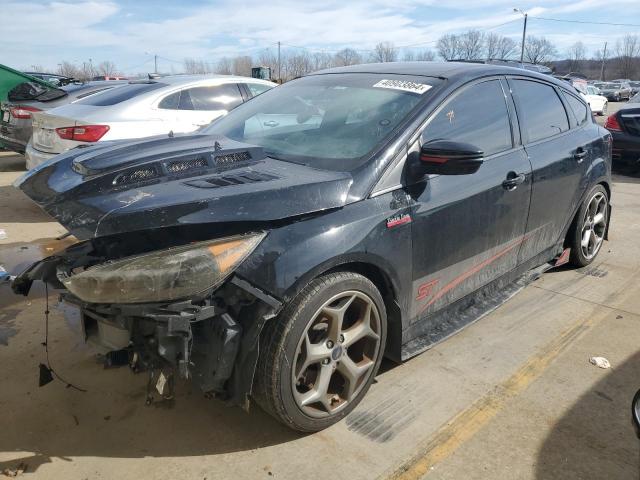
(332, 121)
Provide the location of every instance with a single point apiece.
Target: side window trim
(525, 141)
(455, 94)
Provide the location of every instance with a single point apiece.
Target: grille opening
(234, 157)
(137, 175)
(180, 166)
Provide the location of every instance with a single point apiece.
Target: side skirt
(440, 325)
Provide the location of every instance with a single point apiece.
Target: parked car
(635, 87)
(624, 126)
(598, 103)
(15, 114)
(279, 262)
(52, 78)
(615, 92)
(178, 104)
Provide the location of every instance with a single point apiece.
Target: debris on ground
(600, 362)
(14, 472)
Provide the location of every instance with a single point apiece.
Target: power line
(586, 22)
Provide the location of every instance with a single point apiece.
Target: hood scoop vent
(181, 166)
(228, 180)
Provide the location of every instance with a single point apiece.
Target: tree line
(621, 60)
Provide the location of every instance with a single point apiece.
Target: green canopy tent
(9, 78)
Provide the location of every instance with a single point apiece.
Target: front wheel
(587, 234)
(319, 357)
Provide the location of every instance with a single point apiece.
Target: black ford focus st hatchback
(281, 252)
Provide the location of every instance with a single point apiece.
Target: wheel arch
(381, 277)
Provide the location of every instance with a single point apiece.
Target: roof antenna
(170, 133)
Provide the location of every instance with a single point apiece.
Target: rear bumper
(626, 149)
(36, 157)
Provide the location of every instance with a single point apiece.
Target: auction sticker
(404, 85)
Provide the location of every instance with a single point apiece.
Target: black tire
(273, 385)
(575, 234)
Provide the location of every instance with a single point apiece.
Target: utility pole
(279, 70)
(604, 57)
(524, 32)
(155, 64)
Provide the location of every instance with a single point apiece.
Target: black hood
(170, 181)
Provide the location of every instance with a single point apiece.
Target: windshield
(608, 85)
(332, 121)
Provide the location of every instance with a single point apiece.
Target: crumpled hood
(169, 181)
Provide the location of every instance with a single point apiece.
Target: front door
(467, 229)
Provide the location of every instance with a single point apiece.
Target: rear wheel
(320, 356)
(587, 234)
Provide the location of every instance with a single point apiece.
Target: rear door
(467, 229)
(557, 153)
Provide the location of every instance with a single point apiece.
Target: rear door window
(578, 108)
(540, 110)
(170, 102)
(218, 97)
(120, 94)
(257, 88)
(478, 116)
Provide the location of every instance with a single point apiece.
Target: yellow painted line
(462, 427)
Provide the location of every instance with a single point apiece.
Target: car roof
(443, 70)
(185, 79)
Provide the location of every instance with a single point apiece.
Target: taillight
(23, 112)
(83, 133)
(612, 124)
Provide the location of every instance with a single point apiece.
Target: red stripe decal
(398, 221)
(461, 278)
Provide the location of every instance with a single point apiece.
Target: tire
(296, 352)
(586, 235)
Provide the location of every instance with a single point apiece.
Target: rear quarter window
(120, 94)
(578, 107)
(540, 110)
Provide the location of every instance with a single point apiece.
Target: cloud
(49, 32)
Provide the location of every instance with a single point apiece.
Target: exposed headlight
(163, 275)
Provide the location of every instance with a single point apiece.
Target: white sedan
(178, 104)
(597, 102)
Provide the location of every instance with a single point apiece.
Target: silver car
(178, 104)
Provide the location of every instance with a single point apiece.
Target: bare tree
(107, 68)
(384, 52)
(408, 56)
(267, 58)
(242, 65)
(320, 61)
(297, 64)
(448, 46)
(346, 56)
(499, 47)
(471, 45)
(68, 69)
(628, 51)
(539, 50)
(193, 66)
(577, 54)
(224, 66)
(425, 56)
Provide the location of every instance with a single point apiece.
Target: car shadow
(12, 162)
(595, 438)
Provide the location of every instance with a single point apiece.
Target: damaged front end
(133, 309)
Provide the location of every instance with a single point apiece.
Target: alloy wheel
(594, 225)
(336, 355)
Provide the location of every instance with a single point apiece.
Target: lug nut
(341, 338)
(329, 344)
(325, 361)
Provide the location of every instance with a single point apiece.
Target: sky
(129, 33)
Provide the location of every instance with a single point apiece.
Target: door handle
(579, 154)
(513, 180)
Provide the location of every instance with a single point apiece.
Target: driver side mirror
(446, 157)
